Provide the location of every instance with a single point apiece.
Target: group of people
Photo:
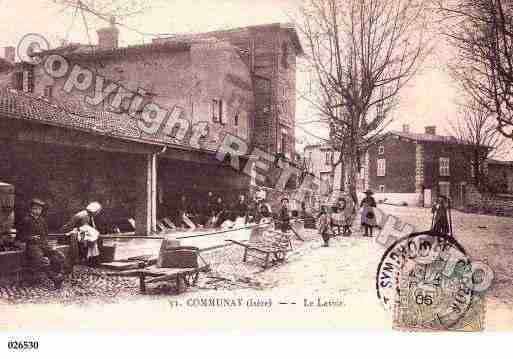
(214, 212)
(33, 231)
(340, 216)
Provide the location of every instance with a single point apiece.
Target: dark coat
(284, 219)
(31, 226)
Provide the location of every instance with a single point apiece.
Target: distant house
(418, 167)
(320, 159)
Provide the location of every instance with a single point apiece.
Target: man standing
(34, 232)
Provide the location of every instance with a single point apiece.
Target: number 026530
(22, 345)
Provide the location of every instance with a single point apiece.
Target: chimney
(430, 130)
(9, 53)
(108, 36)
(406, 128)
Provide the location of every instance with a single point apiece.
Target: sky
(428, 100)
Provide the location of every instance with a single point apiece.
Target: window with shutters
(381, 167)
(444, 166)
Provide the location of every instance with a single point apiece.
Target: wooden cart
(266, 251)
(152, 274)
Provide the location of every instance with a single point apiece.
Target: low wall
(412, 199)
(488, 203)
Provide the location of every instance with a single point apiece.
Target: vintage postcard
(273, 164)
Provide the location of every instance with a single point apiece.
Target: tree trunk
(351, 166)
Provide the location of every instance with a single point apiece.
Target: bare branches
(361, 54)
(477, 129)
(104, 9)
(481, 31)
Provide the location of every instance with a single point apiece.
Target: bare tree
(361, 53)
(481, 31)
(476, 128)
(111, 11)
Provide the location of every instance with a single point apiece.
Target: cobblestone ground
(343, 273)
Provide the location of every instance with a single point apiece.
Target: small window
(217, 111)
(444, 166)
(382, 188)
(381, 150)
(236, 119)
(47, 92)
(381, 167)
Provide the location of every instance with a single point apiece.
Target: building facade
(416, 168)
(69, 146)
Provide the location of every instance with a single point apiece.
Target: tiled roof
(220, 33)
(425, 137)
(22, 106)
(81, 51)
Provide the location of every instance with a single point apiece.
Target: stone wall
(486, 203)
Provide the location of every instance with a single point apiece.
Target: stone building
(60, 143)
(415, 168)
(269, 52)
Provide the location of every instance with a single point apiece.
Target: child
(324, 226)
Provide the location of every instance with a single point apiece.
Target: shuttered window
(444, 166)
(381, 167)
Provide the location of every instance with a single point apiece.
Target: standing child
(324, 226)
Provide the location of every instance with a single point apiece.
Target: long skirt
(369, 217)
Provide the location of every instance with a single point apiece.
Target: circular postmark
(425, 280)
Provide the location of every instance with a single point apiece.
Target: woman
(440, 220)
(368, 216)
(82, 221)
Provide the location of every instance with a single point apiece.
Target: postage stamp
(427, 282)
